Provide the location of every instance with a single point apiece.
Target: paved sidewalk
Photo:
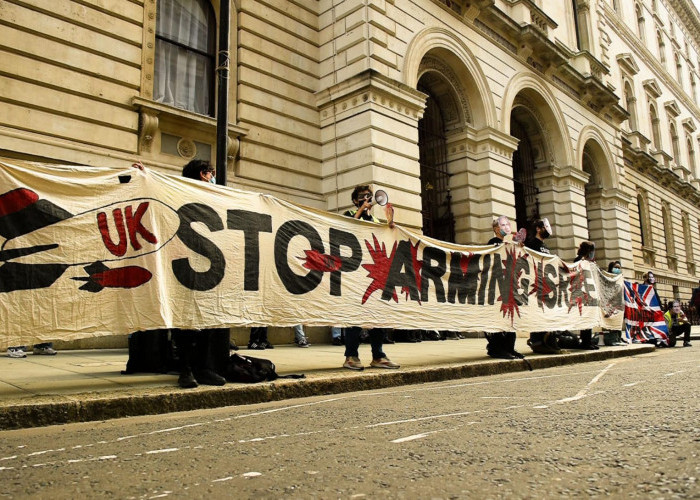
(86, 385)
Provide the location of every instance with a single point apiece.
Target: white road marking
(584, 392)
(164, 450)
(632, 384)
(222, 479)
(251, 474)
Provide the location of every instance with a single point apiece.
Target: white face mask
(212, 180)
(617, 270)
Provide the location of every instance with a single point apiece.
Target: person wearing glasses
(362, 199)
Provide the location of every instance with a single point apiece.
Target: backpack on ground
(248, 369)
(544, 342)
(150, 352)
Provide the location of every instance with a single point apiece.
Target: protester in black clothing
(501, 229)
(501, 344)
(362, 199)
(542, 231)
(203, 354)
(542, 342)
(586, 251)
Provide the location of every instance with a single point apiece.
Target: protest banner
(88, 251)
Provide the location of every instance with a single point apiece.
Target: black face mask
(545, 234)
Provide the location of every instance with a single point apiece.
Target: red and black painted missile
(100, 277)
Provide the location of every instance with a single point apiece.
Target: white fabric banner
(100, 251)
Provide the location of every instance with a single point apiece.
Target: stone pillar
(562, 200)
(609, 226)
(481, 182)
(369, 135)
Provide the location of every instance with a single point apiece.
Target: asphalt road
(621, 428)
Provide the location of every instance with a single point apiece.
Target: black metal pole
(222, 72)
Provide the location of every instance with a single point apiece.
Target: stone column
(481, 182)
(369, 135)
(562, 200)
(609, 226)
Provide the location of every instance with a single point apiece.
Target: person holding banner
(203, 354)
(678, 324)
(586, 252)
(362, 199)
(542, 342)
(501, 344)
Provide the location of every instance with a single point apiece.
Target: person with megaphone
(362, 199)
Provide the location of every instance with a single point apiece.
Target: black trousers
(203, 349)
(684, 329)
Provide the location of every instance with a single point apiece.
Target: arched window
(679, 69)
(643, 221)
(662, 46)
(668, 229)
(691, 154)
(655, 131)
(640, 21)
(631, 105)
(675, 144)
(185, 52)
(687, 239)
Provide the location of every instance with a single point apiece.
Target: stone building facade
(583, 111)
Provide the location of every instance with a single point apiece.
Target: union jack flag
(644, 319)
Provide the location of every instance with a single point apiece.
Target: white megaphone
(380, 197)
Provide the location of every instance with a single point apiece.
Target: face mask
(545, 234)
(212, 180)
(503, 233)
(617, 270)
(591, 255)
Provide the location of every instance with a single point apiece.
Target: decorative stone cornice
(569, 177)
(627, 63)
(672, 108)
(371, 87)
(689, 125)
(656, 166)
(152, 114)
(652, 88)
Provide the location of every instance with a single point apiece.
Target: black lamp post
(222, 72)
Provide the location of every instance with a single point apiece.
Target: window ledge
(151, 113)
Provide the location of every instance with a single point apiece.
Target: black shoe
(186, 380)
(267, 345)
(256, 346)
(232, 346)
(501, 355)
(208, 377)
(387, 340)
(687, 344)
(337, 341)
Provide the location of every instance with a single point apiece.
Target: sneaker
(45, 351)
(687, 344)
(16, 352)
(353, 363)
(267, 345)
(302, 343)
(337, 341)
(256, 346)
(383, 363)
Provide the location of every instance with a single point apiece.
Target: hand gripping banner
(101, 251)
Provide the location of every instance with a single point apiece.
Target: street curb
(90, 407)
